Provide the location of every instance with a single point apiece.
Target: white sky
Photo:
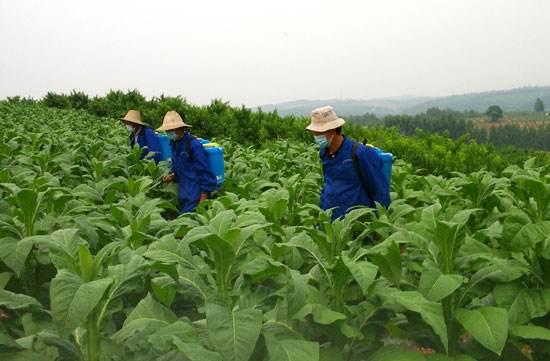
(257, 52)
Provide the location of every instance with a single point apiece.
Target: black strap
(358, 170)
(189, 147)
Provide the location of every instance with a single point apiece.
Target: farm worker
(142, 135)
(343, 187)
(189, 163)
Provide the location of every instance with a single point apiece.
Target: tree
(78, 100)
(539, 105)
(494, 112)
(56, 100)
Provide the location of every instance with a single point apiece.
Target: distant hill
(518, 99)
(379, 106)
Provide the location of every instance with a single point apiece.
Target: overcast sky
(257, 52)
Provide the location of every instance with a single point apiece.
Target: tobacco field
(96, 265)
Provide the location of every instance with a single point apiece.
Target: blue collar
(345, 143)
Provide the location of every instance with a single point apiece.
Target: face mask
(322, 141)
(130, 128)
(171, 135)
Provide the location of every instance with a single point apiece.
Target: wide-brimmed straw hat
(172, 120)
(323, 119)
(133, 116)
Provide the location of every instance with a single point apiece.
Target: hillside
(517, 99)
(379, 106)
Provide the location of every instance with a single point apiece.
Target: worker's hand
(204, 196)
(168, 178)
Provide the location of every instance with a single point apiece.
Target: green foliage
(365, 119)
(539, 105)
(494, 112)
(434, 120)
(95, 264)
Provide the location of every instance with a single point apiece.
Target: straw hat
(323, 119)
(172, 120)
(133, 116)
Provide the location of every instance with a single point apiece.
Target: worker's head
(324, 139)
(132, 120)
(173, 125)
(132, 127)
(174, 134)
(324, 125)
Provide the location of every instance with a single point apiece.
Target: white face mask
(130, 128)
(322, 140)
(171, 135)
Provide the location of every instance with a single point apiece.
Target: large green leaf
(221, 253)
(4, 279)
(196, 352)
(25, 355)
(263, 267)
(28, 202)
(7, 250)
(321, 314)
(63, 248)
(464, 215)
(73, 300)
(163, 338)
(86, 263)
(435, 285)
(14, 253)
(222, 222)
(122, 274)
(518, 237)
(148, 317)
(276, 204)
(233, 333)
(296, 293)
(431, 312)
(363, 272)
(429, 215)
(449, 237)
(164, 290)
(389, 263)
(149, 308)
(169, 250)
(488, 325)
(304, 242)
(291, 350)
(499, 270)
(14, 301)
(522, 304)
(531, 332)
(536, 188)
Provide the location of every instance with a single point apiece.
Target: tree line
(436, 142)
(457, 124)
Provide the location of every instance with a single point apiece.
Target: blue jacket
(147, 138)
(342, 186)
(190, 166)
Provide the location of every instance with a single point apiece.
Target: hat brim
(328, 126)
(132, 121)
(172, 127)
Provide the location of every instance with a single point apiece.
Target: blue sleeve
(371, 169)
(153, 144)
(207, 179)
